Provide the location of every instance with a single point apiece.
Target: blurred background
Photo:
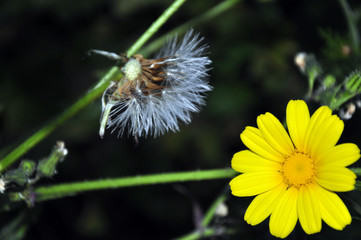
(44, 69)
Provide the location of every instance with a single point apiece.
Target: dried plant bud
(156, 94)
(347, 113)
(47, 166)
(221, 210)
(308, 64)
(353, 82)
(300, 61)
(2, 185)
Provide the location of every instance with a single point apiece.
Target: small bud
(47, 166)
(21, 174)
(329, 81)
(348, 113)
(308, 64)
(221, 210)
(353, 82)
(300, 60)
(17, 176)
(2, 185)
(310, 67)
(28, 167)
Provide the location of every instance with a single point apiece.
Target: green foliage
(353, 83)
(47, 166)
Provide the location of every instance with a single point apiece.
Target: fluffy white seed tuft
(185, 66)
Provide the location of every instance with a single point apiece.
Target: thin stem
(154, 27)
(52, 125)
(211, 211)
(213, 12)
(205, 230)
(62, 190)
(208, 232)
(198, 234)
(352, 23)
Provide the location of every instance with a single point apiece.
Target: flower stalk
(211, 13)
(62, 190)
(154, 27)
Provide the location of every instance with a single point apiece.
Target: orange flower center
(298, 169)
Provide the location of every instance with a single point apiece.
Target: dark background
(252, 46)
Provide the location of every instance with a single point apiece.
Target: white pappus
(155, 95)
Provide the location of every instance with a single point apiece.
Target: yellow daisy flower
(295, 176)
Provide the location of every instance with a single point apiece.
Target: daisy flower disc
(294, 175)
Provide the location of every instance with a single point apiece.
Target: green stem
(311, 81)
(213, 12)
(208, 232)
(352, 23)
(154, 27)
(52, 125)
(66, 189)
(205, 230)
(211, 211)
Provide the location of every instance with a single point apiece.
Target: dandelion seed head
(158, 94)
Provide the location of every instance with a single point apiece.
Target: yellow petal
(308, 209)
(341, 155)
(315, 122)
(262, 205)
(325, 134)
(247, 161)
(284, 217)
(334, 178)
(333, 210)
(275, 134)
(253, 183)
(297, 116)
(253, 139)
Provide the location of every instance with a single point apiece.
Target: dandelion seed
(295, 176)
(156, 94)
